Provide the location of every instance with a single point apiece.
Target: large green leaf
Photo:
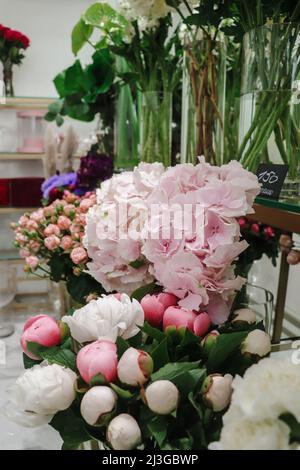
(153, 332)
(293, 424)
(71, 429)
(160, 354)
(225, 345)
(80, 34)
(79, 287)
(151, 288)
(28, 362)
(158, 427)
(103, 16)
(173, 370)
(63, 357)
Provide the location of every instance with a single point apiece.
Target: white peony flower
(40, 393)
(162, 397)
(217, 391)
(106, 318)
(135, 367)
(96, 402)
(257, 343)
(123, 432)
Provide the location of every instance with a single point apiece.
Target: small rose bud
(209, 341)
(179, 317)
(96, 402)
(217, 390)
(162, 397)
(243, 315)
(52, 229)
(135, 367)
(123, 432)
(32, 262)
(42, 330)
(99, 357)
(257, 343)
(154, 307)
(79, 255)
(255, 228)
(63, 222)
(201, 324)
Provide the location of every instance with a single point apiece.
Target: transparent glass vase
(203, 101)
(156, 127)
(269, 129)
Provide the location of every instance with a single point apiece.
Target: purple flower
(58, 181)
(94, 168)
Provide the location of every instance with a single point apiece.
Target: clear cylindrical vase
(156, 127)
(203, 101)
(269, 129)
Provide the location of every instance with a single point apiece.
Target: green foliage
(71, 429)
(151, 288)
(28, 362)
(55, 355)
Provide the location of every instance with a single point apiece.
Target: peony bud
(154, 307)
(162, 397)
(201, 324)
(135, 367)
(99, 357)
(217, 390)
(179, 318)
(257, 343)
(244, 315)
(42, 330)
(96, 402)
(209, 341)
(123, 432)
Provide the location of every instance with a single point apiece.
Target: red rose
(3, 30)
(15, 36)
(269, 232)
(255, 228)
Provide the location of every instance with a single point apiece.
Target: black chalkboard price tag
(271, 177)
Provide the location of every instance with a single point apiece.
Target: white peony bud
(123, 432)
(217, 390)
(244, 315)
(96, 402)
(40, 393)
(257, 343)
(135, 367)
(106, 318)
(162, 397)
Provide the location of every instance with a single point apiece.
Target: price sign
(271, 177)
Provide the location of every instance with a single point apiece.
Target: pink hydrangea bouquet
(50, 241)
(106, 375)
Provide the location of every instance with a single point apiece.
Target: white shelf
(26, 103)
(11, 210)
(13, 156)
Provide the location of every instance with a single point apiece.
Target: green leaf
(153, 332)
(138, 263)
(195, 405)
(59, 120)
(34, 348)
(79, 287)
(158, 428)
(57, 267)
(28, 362)
(71, 428)
(103, 16)
(225, 345)
(122, 346)
(80, 34)
(98, 379)
(151, 288)
(173, 370)
(55, 107)
(189, 381)
(57, 355)
(125, 394)
(188, 339)
(293, 424)
(160, 354)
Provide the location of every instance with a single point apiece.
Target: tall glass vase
(269, 129)
(203, 101)
(8, 78)
(156, 127)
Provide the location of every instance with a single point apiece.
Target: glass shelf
(289, 205)
(25, 102)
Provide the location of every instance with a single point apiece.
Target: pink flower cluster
(197, 267)
(57, 228)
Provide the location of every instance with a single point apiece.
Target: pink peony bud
(42, 330)
(97, 402)
(293, 257)
(154, 307)
(79, 255)
(162, 397)
(32, 262)
(123, 432)
(135, 367)
(52, 242)
(99, 357)
(179, 318)
(52, 229)
(257, 343)
(217, 391)
(202, 324)
(63, 222)
(66, 243)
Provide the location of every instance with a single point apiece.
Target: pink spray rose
(66, 242)
(52, 229)
(79, 255)
(85, 205)
(52, 242)
(32, 262)
(63, 222)
(99, 357)
(154, 307)
(42, 330)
